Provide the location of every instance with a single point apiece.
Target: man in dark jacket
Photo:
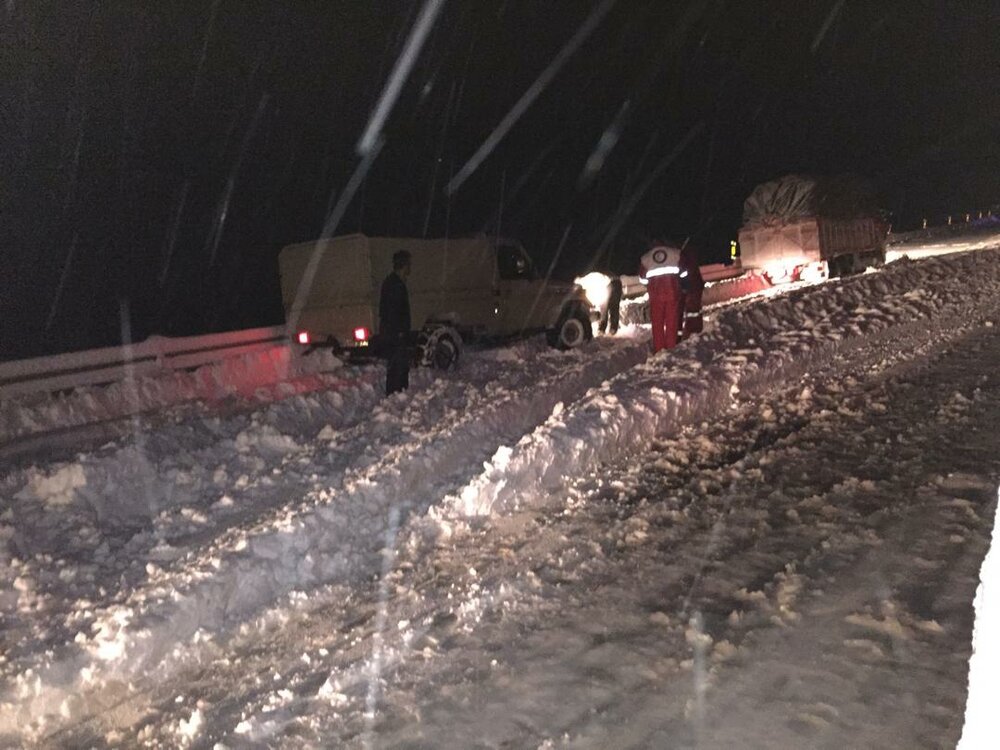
(394, 324)
(612, 309)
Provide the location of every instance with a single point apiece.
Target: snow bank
(981, 725)
(751, 347)
(268, 374)
(941, 241)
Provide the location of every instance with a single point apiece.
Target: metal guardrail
(155, 355)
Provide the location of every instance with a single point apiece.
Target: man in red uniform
(660, 270)
(692, 285)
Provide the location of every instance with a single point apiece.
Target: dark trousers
(397, 372)
(612, 314)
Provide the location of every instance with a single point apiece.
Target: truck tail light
(360, 335)
(303, 337)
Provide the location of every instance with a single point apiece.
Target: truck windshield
(512, 263)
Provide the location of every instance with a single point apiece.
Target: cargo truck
(807, 228)
(461, 290)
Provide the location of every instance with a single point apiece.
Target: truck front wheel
(572, 330)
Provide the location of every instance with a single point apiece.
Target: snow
(331, 552)
(258, 377)
(942, 241)
(56, 489)
(980, 729)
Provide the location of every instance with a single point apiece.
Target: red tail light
(360, 334)
(303, 337)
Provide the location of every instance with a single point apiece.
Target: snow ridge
(751, 348)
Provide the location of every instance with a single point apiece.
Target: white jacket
(662, 260)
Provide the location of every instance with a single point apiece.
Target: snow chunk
(890, 626)
(264, 439)
(187, 729)
(661, 618)
(697, 638)
(56, 489)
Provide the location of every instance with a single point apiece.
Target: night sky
(161, 153)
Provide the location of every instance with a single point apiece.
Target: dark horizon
(163, 157)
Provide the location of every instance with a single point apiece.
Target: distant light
(779, 272)
(303, 337)
(360, 334)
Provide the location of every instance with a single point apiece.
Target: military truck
(461, 290)
(804, 227)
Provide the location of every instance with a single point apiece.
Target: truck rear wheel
(440, 348)
(445, 354)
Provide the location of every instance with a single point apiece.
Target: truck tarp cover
(797, 197)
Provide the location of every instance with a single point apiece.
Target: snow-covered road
(634, 554)
(187, 528)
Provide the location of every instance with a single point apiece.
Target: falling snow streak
(503, 188)
(400, 72)
(172, 236)
(548, 274)
(62, 282)
(640, 165)
(446, 121)
(375, 664)
(523, 180)
(204, 47)
(703, 216)
(831, 17)
(529, 96)
(625, 211)
(75, 164)
(332, 222)
(220, 221)
(218, 226)
(699, 674)
(605, 144)
(134, 401)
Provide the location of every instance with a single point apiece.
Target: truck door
(516, 290)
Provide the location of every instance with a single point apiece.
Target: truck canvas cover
(448, 276)
(796, 197)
